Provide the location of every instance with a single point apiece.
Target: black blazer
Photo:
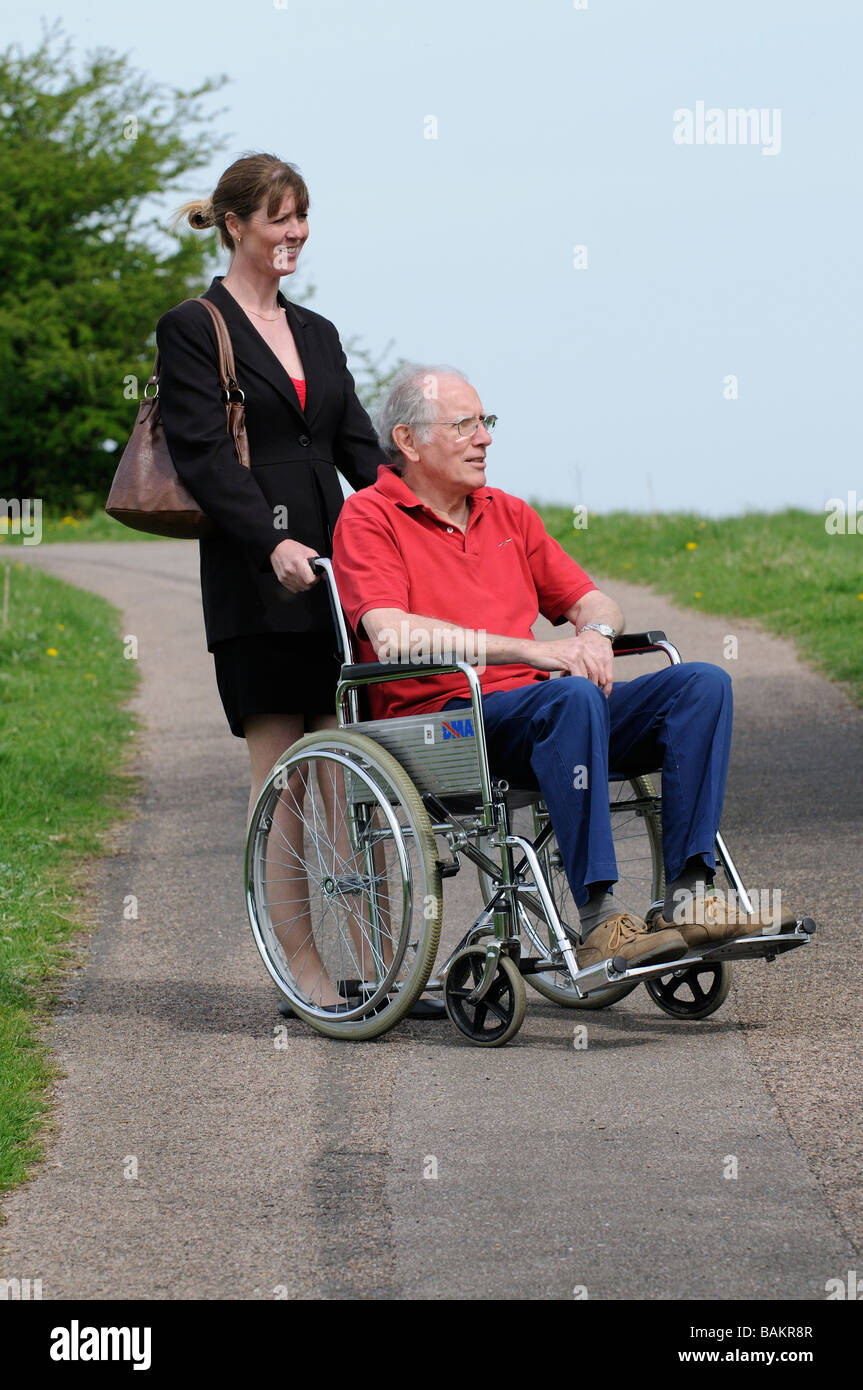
(294, 455)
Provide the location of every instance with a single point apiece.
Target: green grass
(782, 569)
(74, 526)
(64, 737)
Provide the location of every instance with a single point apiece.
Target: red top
(392, 551)
(299, 383)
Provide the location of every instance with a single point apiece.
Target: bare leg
(267, 737)
(332, 789)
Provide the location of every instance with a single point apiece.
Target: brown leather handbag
(147, 493)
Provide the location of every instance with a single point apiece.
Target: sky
(548, 197)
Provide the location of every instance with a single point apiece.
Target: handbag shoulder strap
(227, 369)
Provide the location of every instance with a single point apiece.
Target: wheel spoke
(493, 1001)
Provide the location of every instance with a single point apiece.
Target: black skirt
(276, 673)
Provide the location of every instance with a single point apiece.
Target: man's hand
(290, 562)
(587, 655)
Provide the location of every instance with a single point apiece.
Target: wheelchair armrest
(627, 644)
(385, 670)
(637, 643)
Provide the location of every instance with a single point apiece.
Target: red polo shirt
(392, 551)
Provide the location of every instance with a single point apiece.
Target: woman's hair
(243, 188)
(411, 401)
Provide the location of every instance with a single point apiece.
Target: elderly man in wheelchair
(470, 717)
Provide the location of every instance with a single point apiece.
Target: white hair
(412, 401)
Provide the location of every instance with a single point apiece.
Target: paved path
(301, 1168)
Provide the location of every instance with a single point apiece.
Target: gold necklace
(279, 309)
(262, 316)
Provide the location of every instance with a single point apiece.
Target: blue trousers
(565, 736)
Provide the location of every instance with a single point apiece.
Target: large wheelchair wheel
(637, 829)
(342, 884)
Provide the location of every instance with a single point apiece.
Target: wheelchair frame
(383, 778)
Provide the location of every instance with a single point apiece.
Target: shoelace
(712, 914)
(626, 928)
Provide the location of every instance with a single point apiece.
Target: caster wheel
(499, 1015)
(695, 993)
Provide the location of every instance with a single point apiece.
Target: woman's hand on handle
(290, 562)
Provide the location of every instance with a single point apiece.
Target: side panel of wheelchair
(344, 880)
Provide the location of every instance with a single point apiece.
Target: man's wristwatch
(603, 628)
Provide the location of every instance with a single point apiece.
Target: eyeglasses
(471, 423)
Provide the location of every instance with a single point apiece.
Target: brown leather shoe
(627, 936)
(711, 920)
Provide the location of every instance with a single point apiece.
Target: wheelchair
(343, 873)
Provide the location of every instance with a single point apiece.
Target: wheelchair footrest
(762, 945)
(597, 977)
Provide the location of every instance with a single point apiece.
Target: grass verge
(64, 737)
(781, 568)
(66, 526)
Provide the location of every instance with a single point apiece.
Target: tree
(87, 268)
(371, 372)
